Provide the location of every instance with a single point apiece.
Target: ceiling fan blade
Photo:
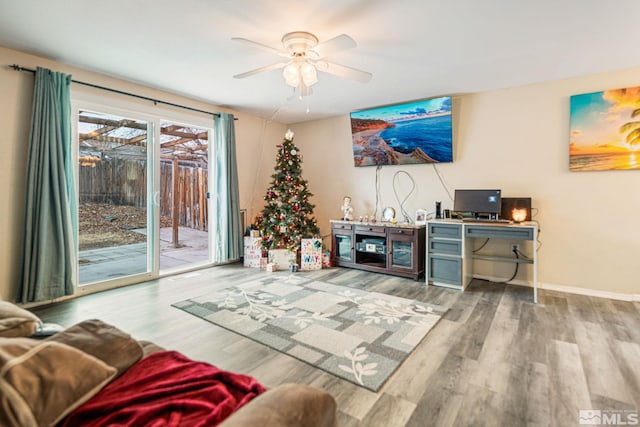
(344, 71)
(260, 70)
(334, 45)
(261, 46)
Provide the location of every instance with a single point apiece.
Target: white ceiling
(415, 49)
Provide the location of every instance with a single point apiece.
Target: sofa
(94, 374)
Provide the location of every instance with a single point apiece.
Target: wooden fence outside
(123, 182)
(192, 193)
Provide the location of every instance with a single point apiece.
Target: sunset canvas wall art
(605, 130)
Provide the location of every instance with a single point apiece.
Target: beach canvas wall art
(605, 130)
(415, 132)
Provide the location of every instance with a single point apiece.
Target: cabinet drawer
(342, 226)
(445, 269)
(371, 230)
(449, 231)
(514, 233)
(445, 247)
(401, 231)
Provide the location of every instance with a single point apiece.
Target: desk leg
(535, 266)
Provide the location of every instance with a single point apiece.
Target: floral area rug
(357, 335)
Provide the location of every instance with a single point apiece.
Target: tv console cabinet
(450, 252)
(396, 249)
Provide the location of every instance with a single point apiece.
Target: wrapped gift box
(282, 258)
(252, 251)
(311, 254)
(326, 259)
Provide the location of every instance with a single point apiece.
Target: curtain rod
(108, 89)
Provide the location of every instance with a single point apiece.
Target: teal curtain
(226, 194)
(49, 256)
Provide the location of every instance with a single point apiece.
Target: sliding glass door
(115, 216)
(184, 203)
(143, 194)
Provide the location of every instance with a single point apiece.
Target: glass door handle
(156, 198)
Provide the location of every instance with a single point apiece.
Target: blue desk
(450, 250)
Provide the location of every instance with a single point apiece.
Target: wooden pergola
(128, 138)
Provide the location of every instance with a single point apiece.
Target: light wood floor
(495, 359)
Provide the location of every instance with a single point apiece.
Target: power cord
(534, 212)
(481, 246)
(261, 136)
(517, 253)
(442, 182)
(378, 201)
(407, 217)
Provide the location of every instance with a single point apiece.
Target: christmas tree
(288, 216)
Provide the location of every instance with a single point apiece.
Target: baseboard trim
(590, 292)
(566, 289)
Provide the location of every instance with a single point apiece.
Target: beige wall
(514, 139)
(253, 135)
(517, 140)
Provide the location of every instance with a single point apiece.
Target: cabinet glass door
(343, 247)
(402, 254)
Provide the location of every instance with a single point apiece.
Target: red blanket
(167, 389)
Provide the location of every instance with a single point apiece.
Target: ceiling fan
(305, 55)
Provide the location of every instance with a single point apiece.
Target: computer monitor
(478, 202)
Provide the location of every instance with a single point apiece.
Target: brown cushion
(149, 347)
(41, 382)
(16, 321)
(288, 405)
(102, 341)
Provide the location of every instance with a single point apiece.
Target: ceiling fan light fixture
(306, 59)
(309, 74)
(298, 72)
(291, 74)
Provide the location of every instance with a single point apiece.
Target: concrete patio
(97, 265)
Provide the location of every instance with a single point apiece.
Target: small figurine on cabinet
(347, 209)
